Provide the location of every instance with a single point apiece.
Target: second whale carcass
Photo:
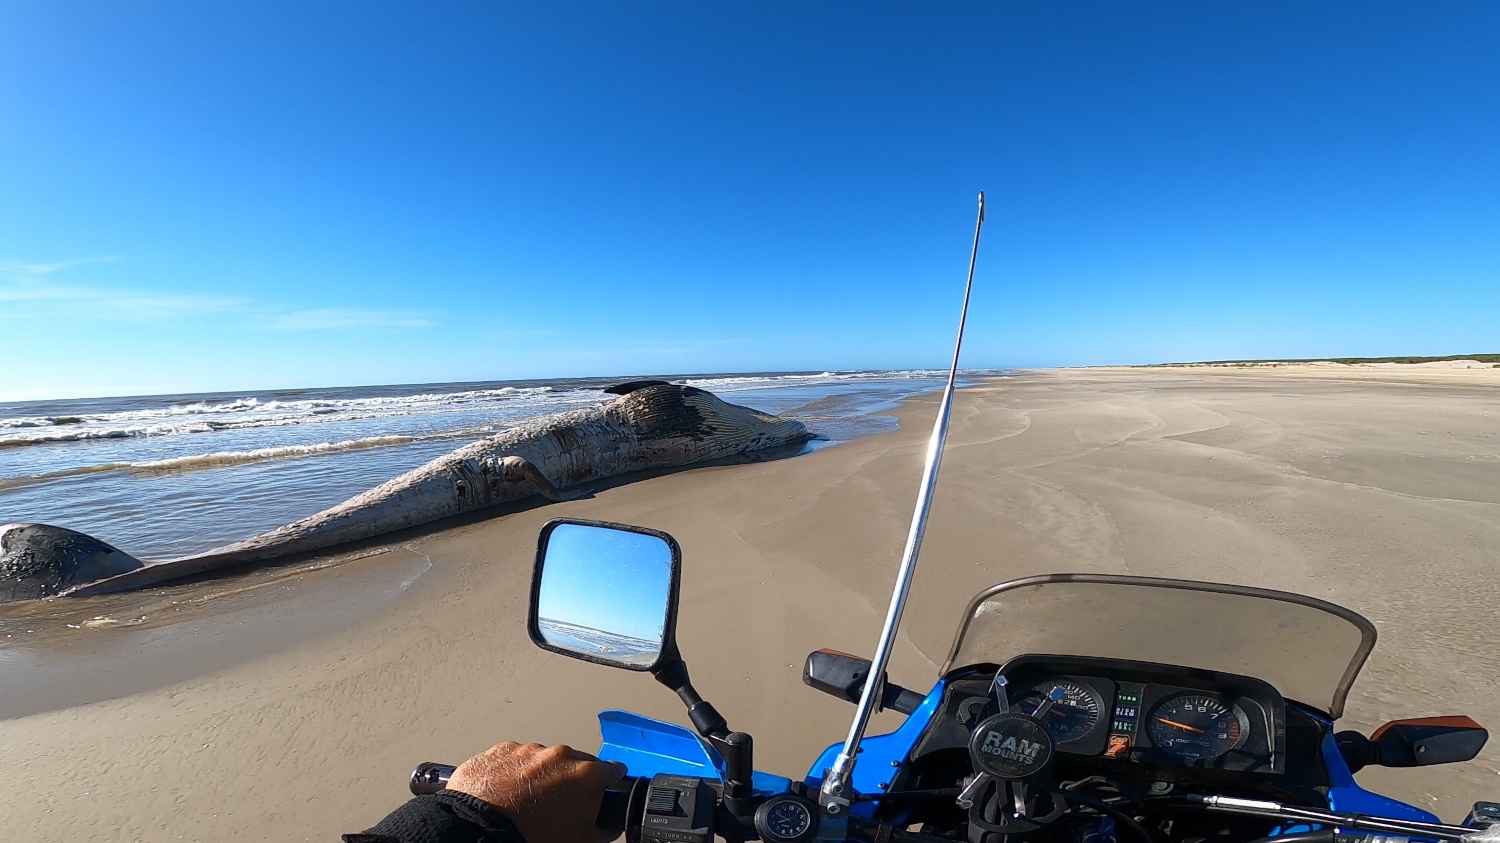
(652, 425)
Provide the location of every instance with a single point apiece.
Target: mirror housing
(1424, 741)
(843, 676)
(596, 590)
(1417, 742)
(606, 593)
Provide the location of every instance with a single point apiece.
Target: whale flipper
(517, 469)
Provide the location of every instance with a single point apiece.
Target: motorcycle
(1083, 708)
(1072, 708)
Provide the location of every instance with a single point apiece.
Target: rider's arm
(507, 794)
(444, 817)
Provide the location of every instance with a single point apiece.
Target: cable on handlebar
(1106, 808)
(1326, 835)
(892, 834)
(902, 795)
(1129, 794)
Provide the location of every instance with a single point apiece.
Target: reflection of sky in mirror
(610, 580)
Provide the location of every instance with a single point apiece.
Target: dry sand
(291, 704)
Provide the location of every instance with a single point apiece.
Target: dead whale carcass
(652, 425)
(37, 560)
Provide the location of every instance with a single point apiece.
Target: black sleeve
(443, 817)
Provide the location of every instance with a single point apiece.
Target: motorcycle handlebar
(430, 777)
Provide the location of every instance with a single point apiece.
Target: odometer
(1197, 727)
(1073, 716)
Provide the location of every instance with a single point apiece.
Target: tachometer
(1197, 727)
(1072, 716)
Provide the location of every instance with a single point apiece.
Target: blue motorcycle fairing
(648, 747)
(1347, 796)
(880, 756)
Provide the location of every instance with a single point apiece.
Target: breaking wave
(743, 383)
(249, 413)
(221, 459)
(207, 416)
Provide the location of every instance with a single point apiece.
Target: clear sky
(218, 196)
(611, 580)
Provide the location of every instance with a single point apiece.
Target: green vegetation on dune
(1478, 358)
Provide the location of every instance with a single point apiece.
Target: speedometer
(1072, 716)
(1197, 727)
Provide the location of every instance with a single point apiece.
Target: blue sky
(235, 196)
(610, 580)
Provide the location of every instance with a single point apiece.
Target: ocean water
(165, 476)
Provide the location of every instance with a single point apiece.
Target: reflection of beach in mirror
(604, 593)
(598, 643)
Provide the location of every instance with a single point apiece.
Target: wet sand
(295, 709)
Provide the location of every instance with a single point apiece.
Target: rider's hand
(551, 793)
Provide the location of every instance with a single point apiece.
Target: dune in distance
(1473, 368)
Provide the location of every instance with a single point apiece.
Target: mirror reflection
(604, 594)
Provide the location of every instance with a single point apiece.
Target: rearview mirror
(1418, 742)
(1423, 741)
(605, 593)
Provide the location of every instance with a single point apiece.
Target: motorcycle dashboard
(1127, 713)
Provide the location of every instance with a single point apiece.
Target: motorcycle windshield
(1309, 650)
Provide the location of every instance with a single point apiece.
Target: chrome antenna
(835, 793)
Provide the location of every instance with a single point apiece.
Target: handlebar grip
(614, 810)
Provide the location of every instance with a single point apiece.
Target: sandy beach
(291, 704)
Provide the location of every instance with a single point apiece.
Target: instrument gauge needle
(1180, 725)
